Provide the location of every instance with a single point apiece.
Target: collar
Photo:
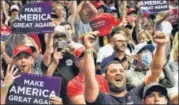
(116, 58)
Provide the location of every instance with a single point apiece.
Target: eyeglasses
(124, 41)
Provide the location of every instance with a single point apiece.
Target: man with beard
(116, 76)
(119, 39)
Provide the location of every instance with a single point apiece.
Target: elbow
(169, 83)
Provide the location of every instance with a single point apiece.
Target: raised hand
(10, 75)
(160, 38)
(89, 39)
(57, 56)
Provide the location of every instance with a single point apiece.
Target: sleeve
(129, 77)
(100, 57)
(74, 89)
(103, 63)
(44, 68)
(99, 100)
(169, 80)
(138, 91)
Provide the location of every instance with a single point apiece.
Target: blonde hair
(148, 35)
(175, 49)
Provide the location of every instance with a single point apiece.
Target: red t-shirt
(76, 85)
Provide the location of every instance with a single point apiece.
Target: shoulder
(74, 82)
(74, 88)
(106, 59)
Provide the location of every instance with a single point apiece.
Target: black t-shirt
(132, 97)
(67, 70)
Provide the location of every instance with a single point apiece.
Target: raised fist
(160, 38)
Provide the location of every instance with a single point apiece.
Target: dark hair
(112, 62)
(119, 30)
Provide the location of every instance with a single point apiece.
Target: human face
(69, 31)
(116, 77)
(59, 37)
(144, 59)
(150, 28)
(84, 16)
(59, 11)
(120, 44)
(142, 38)
(155, 98)
(14, 13)
(23, 61)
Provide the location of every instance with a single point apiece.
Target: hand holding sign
(56, 100)
(33, 89)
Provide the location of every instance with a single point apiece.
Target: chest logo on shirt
(69, 62)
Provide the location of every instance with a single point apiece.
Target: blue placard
(154, 6)
(33, 89)
(33, 18)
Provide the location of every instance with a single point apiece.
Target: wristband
(5, 85)
(89, 51)
(53, 65)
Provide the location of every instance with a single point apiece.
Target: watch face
(2, 84)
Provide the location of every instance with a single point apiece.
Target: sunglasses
(60, 35)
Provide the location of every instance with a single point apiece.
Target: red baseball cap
(130, 11)
(78, 52)
(102, 23)
(22, 48)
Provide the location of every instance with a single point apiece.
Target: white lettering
(52, 93)
(34, 17)
(43, 93)
(13, 89)
(34, 83)
(19, 98)
(37, 9)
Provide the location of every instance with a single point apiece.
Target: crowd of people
(136, 62)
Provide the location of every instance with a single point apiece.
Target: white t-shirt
(104, 52)
(165, 27)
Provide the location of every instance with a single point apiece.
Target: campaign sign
(154, 6)
(33, 89)
(34, 18)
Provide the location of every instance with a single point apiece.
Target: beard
(115, 89)
(121, 48)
